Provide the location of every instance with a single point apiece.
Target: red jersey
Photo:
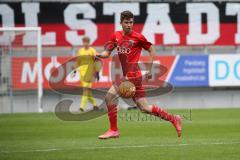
(129, 49)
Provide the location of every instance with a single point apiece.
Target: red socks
(112, 116)
(157, 111)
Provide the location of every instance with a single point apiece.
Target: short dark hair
(126, 15)
(86, 39)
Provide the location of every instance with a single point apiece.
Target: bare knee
(109, 99)
(143, 108)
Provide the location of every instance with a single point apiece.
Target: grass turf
(213, 134)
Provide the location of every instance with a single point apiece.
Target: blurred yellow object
(86, 66)
(98, 65)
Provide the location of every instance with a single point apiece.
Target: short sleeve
(111, 43)
(113, 37)
(77, 64)
(145, 44)
(94, 51)
(78, 52)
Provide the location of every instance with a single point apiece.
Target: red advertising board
(25, 71)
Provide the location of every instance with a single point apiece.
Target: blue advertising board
(190, 71)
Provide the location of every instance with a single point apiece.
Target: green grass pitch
(213, 134)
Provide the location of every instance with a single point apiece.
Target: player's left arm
(151, 52)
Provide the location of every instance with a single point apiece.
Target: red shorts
(140, 92)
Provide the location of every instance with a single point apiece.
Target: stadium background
(197, 42)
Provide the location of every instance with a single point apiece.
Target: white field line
(27, 151)
(160, 145)
(125, 146)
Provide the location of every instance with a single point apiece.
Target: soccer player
(129, 53)
(85, 64)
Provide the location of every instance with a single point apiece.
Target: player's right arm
(104, 54)
(76, 65)
(108, 47)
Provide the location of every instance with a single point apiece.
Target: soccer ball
(127, 89)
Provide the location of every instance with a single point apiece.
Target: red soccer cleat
(109, 134)
(177, 125)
